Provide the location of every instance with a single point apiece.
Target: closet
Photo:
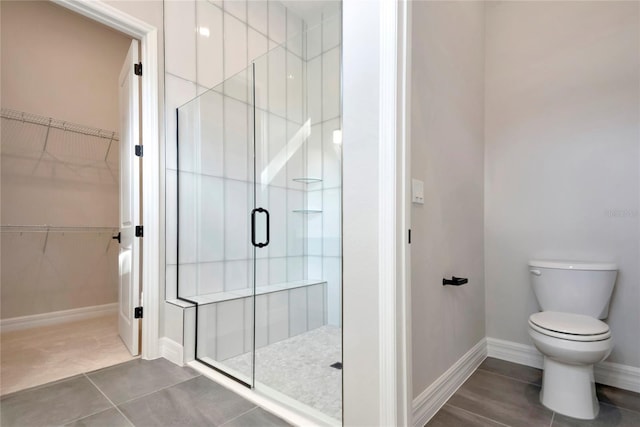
(60, 195)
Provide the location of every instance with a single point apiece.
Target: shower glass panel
(215, 196)
(259, 210)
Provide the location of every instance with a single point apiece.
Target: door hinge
(137, 313)
(139, 231)
(137, 69)
(138, 150)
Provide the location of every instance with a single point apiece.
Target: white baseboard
(429, 402)
(172, 351)
(613, 374)
(57, 317)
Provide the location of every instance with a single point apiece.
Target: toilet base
(569, 389)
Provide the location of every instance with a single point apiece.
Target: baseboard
(57, 317)
(613, 374)
(172, 351)
(429, 402)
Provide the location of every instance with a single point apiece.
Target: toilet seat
(569, 326)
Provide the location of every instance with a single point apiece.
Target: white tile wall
(314, 90)
(316, 314)
(210, 226)
(331, 84)
(258, 45)
(294, 80)
(236, 147)
(295, 223)
(236, 275)
(230, 329)
(235, 60)
(277, 22)
(277, 270)
(278, 316)
(236, 219)
(278, 211)
(210, 277)
(180, 38)
(237, 8)
(188, 218)
(331, 155)
(210, 42)
(258, 15)
(297, 311)
(277, 60)
(210, 140)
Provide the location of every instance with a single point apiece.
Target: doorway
(64, 271)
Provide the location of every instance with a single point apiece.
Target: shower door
(259, 182)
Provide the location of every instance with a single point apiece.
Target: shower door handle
(253, 227)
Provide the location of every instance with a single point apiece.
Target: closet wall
(67, 70)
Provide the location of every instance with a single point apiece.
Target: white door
(129, 256)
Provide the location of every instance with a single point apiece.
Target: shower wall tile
(295, 269)
(277, 22)
(314, 41)
(229, 329)
(314, 152)
(316, 306)
(262, 272)
(294, 34)
(238, 86)
(295, 156)
(257, 15)
(236, 125)
(208, 150)
(177, 92)
(314, 267)
(236, 275)
(236, 219)
(237, 8)
(258, 44)
(331, 32)
(171, 282)
(333, 276)
(206, 340)
(171, 218)
(209, 44)
(210, 277)
(295, 223)
(235, 51)
(331, 224)
(210, 225)
(275, 160)
(278, 316)
(188, 278)
(278, 215)
(277, 270)
(314, 90)
(297, 311)
(294, 81)
(188, 193)
(277, 81)
(180, 38)
(332, 155)
(331, 84)
(248, 324)
(262, 321)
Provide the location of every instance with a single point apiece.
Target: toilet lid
(569, 323)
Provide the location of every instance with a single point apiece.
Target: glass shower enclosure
(259, 225)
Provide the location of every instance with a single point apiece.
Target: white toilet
(572, 296)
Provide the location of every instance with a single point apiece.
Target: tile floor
(36, 356)
(501, 393)
(135, 393)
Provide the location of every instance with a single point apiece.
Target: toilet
(573, 297)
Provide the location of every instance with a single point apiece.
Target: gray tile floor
(136, 393)
(501, 393)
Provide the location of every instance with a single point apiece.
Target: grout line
(473, 413)
(238, 416)
(160, 389)
(107, 397)
(509, 377)
(553, 416)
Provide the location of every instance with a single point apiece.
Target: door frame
(150, 201)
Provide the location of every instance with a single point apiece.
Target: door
(129, 255)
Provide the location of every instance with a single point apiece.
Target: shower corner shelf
(307, 211)
(307, 180)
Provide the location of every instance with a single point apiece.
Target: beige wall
(562, 155)
(58, 64)
(447, 154)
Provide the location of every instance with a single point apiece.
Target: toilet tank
(573, 287)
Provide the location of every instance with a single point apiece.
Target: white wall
(562, 155)
(68, 70)
(448, 155)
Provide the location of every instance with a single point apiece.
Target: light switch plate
(417, 191)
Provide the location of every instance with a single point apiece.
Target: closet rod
(50, 122)
(51, 228)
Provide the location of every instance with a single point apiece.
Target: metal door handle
(253, 227)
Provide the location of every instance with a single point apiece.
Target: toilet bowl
(571, 345)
